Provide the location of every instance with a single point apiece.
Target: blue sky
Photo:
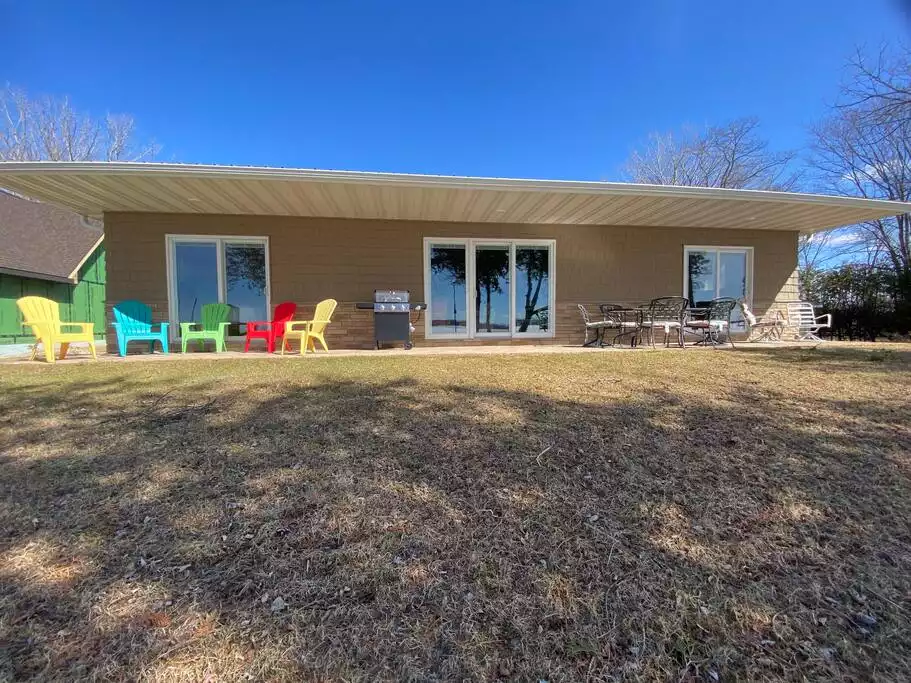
(558, 89)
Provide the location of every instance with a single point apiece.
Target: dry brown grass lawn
(619, 516)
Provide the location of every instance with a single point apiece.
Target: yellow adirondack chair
(43, 316)
(310, 331)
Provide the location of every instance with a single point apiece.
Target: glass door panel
(701, 267)
(732, 275)
(196, 278)
(245, 280)
(448, 294)
(491, 289)
(532, 305)
(732, 278)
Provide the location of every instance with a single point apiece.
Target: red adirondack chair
(271, 330)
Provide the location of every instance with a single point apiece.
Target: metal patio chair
(716, 322)
(665, 313)
(593, 326)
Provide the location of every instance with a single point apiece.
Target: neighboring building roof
(92, 188)
(42, 241)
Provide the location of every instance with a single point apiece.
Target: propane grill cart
(392, 316)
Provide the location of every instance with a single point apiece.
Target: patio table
(626, 319)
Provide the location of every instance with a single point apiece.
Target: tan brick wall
(313, 258)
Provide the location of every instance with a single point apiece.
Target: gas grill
(392, 316)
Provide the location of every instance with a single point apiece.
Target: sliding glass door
(231, 270)
(715, 272)
(477, 288)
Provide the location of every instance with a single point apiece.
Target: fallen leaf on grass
(205, 627)
(156, 620)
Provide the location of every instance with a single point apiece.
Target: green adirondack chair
(214, 326)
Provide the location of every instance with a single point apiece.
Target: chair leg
(64, 347)
(92, 350)
(49, 352)
(586, 342)
(183, 344)
(122, 346)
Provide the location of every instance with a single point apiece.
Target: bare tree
(732, 155)
(880, 88)
(48, 129)
(863, 149)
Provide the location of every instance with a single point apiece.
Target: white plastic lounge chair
(802, 317)
(764, 328)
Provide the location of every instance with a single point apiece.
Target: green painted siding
(78, 303)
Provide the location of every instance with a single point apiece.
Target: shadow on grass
(368, 530)
(894, 358)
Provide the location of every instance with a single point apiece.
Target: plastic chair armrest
(295, 325)
(827, 318)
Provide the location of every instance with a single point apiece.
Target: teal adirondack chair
(133, 322)
(214, 326)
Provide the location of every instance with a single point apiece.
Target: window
(477, 288)
(208, 269)
(713, 272)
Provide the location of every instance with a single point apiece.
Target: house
(499, 261)
(51, 252)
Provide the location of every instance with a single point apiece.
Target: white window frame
(469, 243)
(748, 297)
(171, 241)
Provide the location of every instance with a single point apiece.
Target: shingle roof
(41, 241)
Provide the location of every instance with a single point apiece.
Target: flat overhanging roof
(93, 188)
